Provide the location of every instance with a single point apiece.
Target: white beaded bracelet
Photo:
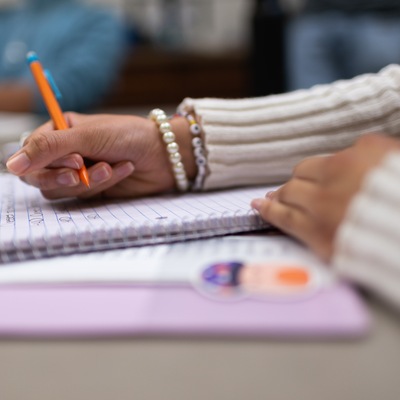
(198, 151)
(161, 119)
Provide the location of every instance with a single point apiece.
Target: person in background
(81, 45)
(329, 40)
(342, 200)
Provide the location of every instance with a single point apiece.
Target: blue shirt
(81, 45)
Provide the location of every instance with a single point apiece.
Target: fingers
(285, 217)
(65, 173)
(44, 150)
(44, 146)
(52, 180)
(298, 193)
(73, 161)
(119, 172)
(64, 182)
(295, 222)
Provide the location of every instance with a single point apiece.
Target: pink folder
(128, 310)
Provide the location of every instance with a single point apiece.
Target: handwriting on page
(35, 214)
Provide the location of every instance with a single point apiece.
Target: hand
(313, 203)
(127, 154)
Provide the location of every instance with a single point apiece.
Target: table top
(134, 368)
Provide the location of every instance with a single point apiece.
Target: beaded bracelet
(198, 151)
(161, 119)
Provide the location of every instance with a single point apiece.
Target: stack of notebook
(164, 265)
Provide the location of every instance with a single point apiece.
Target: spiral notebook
(32, 227)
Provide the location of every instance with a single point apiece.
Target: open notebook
(32, 227)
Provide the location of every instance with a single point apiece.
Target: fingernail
(124, 169)
(67, 179)
(71, 163)
(100, 174)
(18, 164)
(270, 195)
(256, 204)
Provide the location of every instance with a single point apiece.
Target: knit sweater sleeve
(259, 140)
(367, 244)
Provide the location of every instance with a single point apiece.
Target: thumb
(42, 148)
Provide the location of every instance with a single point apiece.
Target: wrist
(172, 147)
(181, 129)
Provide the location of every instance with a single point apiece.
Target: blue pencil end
(31, 56)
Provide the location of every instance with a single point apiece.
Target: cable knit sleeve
(367, 249)
(259, 140)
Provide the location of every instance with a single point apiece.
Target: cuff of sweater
(259, 140)
(253, 141)
(367, 247)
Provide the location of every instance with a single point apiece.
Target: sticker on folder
(280, 280)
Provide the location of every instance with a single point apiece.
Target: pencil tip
(83, 174)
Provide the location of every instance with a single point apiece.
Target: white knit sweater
(259, 140)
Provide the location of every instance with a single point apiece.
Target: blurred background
(156, 52)
(240, 48)
(181, 48)
(201, 48)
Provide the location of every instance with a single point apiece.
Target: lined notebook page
(33, 227)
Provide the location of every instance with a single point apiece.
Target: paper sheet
(178, 263)
(32, 225)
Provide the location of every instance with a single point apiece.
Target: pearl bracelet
(161, 119)
(198, 151)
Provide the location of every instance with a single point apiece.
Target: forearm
(16, 97)
(259, 140)
(367, 247)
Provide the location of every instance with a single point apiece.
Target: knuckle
(264, 210)
(284, 192)
(289, 189)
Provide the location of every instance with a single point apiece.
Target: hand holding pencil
(127, 156)
(51, 102)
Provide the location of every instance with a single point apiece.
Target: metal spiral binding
(102, 237)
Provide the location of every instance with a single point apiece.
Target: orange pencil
(51, 102)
